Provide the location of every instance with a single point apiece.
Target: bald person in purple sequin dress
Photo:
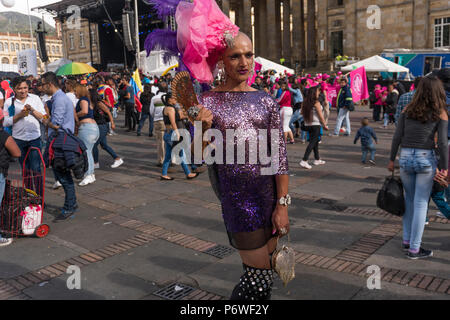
(254, 197)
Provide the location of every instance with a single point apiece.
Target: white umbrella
(55, 65)
(270, 65)
(376, 64)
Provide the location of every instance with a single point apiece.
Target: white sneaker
(318, 162)
(440, 215)
(57, 185)
(117, 163)
(5, 242)
(305, 164)
(87, 180)
(96, 165)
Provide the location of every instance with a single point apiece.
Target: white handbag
(31, 219)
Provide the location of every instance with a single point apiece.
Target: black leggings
(130, 116)
(314, 134)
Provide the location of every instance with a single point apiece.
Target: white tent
(153, 64)
(376, 64)
(55, 65)
(270, 65)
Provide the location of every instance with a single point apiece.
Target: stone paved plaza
(135, 235)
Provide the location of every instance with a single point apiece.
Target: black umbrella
(9, 75)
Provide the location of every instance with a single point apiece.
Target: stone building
(347, 27)
(288, 29)
(80, 44)
(11, 43)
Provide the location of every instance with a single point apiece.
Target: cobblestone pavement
(135, 236)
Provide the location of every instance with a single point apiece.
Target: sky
(21, 6)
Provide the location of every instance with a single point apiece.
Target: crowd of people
(31, 109)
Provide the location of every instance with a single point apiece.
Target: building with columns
(11, 43)
(277, 28)
(314, 37)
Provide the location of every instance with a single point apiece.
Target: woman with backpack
(417, 127)
(8, 148)
(103, 118)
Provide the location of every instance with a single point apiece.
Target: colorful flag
(358, 83)
(136, 84)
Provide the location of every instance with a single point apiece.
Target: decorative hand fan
(184, 94)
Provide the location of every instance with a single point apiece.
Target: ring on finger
(283, 231)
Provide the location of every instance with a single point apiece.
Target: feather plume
(164, 8)
(162, 39)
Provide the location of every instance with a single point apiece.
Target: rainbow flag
(135, 82)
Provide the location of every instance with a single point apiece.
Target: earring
(221, 71)
(252, 70)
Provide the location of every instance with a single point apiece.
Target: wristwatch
(285, 201)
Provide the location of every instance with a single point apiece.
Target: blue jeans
(144, 117)
(33, 164)
(343, 114)
(297, 116)
(442, 203)
(114, 112)
(417, 170)
(365, 150)
(89, 134)
(168, 155)
(386, 119)
(65, 178)
(103, 129)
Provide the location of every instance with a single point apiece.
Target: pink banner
(332, 92)
(252, 79)
(358, 79)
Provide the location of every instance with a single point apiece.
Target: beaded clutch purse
(283, 262)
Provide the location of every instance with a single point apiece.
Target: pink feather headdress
(203, 34)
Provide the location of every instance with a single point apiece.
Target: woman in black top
(103, 117)
(417, 127)
(171, 118)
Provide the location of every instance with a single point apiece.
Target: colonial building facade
(314, 32)
(11, 43)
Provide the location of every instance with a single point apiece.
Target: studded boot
(255, 285)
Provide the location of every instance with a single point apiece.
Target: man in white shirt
(22, 113)
(156, 112)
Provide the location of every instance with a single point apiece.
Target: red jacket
(285, 99)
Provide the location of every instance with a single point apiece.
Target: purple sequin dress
(248, 198)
